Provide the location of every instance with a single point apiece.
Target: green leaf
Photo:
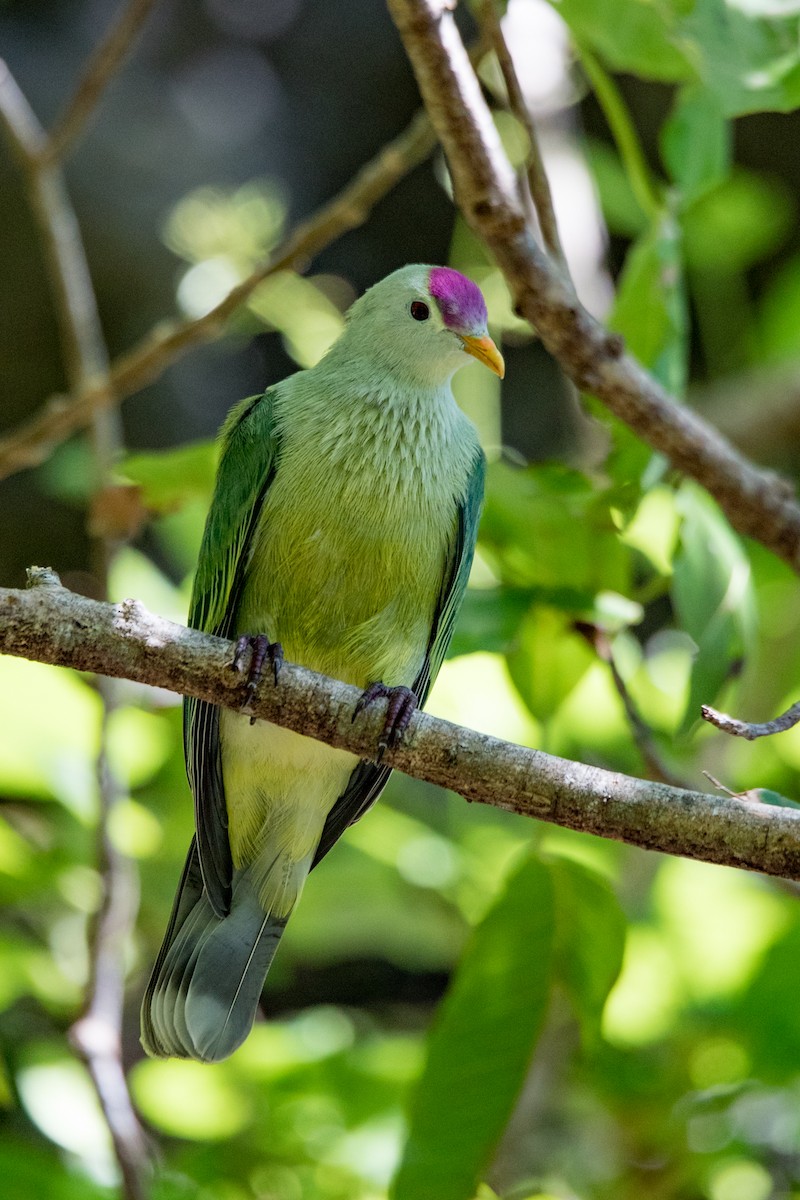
(650, 313)
(712, 592)
(548, 660)
(631, 35)
(696, 142)
(738, 223)
(170, 478)
(650, 308)
(621, 209)
(32, 1169)
(750, 61)
(547, 527)
(590, 941)
(489, 620)
(481, 1043)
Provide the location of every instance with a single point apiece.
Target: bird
(340, 535)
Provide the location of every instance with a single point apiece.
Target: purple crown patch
(460, 301)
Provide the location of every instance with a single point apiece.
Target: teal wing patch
(368, 779)
(456, 577)
(246, 470)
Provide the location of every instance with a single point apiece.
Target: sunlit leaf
(748, 54)
(481, 1043)
(188, 1100)
(51, 727)
(590, 940)
(631, 35)
(45, 1173)
(548, 660)
(547, 527)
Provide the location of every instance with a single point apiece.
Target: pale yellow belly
(279, 788)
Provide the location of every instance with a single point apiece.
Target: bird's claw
(402, 704)
(263, 650)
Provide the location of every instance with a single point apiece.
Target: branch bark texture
(757, 503)
(49, 624)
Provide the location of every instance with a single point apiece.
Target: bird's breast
(346, 572)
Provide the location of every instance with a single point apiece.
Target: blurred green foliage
(610, 1024)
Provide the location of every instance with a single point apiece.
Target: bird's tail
(202, 996)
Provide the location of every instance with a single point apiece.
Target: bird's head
(422, 323)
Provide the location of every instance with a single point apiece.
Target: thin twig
(751, 730)
(96, 1035)
(50, 624)
(536, 174)
(73, 294)
(102, 66)
(757, 503)
(641, 731)
(32, 442)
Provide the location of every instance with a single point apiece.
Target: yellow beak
(484, 349)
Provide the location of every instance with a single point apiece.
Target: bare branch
(61, 416)
(66, 263)
(757, 503)
(536, 174)
(642, 733)
(101, 68)
(748, 730)
(50, 624)
(97, 1033)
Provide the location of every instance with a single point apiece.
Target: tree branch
(749, 729)
(73, 294)
(756, 502)
(96, 1035)
(49, 624)
(538, 182)
(101, 68)
(32, 442)
(641, 732)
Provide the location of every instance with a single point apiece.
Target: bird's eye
(419, 310)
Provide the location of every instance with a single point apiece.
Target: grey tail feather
(203, 994)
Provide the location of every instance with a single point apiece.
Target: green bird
(341, 533)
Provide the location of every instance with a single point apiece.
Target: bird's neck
(370, 366)
(376, 425)
(369, 392)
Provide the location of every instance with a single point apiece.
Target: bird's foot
(399, 711)
(263, 651)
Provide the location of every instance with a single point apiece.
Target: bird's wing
(369, 779)
(456, 576)
(246, 470)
